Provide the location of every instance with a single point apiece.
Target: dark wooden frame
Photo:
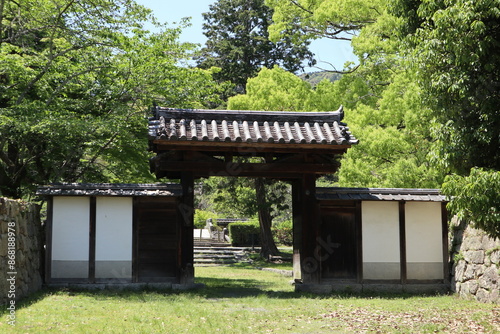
(402, 242)
(446, 250)
(92, 238)
(48, 241)
(135, 240)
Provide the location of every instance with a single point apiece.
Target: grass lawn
(245, 300)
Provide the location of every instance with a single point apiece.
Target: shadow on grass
(214, 288)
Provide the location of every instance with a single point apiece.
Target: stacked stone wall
(21, 248)
(476, 263)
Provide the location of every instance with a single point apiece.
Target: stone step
(207, 256)
(215, 261)
(214, 256)
(210, 244)
(226, 248)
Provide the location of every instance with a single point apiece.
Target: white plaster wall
(70, 228)
(423, 232)
(113, 229)
(380, 231)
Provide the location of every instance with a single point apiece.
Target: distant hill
(315, 77)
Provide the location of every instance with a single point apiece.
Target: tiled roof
(380, 194)
(323, 128)
(110, 189)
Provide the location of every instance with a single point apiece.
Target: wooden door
(338, 244)
(156, 239)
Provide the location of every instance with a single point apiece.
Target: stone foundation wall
(476, 263)
(21, 247)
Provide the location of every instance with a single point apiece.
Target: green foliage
(456, 53)
(75, 80)
(334, 19)
(273, 89)
(244, 233)
(283, 233)
(201, 217)
(476, 197)
(453, 48)
(394, 138)
(238, 42)
(229, 196)
(458, 257)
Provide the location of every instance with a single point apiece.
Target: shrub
(201, 216)
(283, 233)
(244, 233)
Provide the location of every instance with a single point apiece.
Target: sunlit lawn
(245, 300)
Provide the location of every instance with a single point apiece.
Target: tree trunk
(268, 247)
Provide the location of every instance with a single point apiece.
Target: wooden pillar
(359, 239)
(306, 231)
(135, 240)
(402, 242)
(48, 241)
(186, 224)
(446, 255)
(297, 229)
(92, 236)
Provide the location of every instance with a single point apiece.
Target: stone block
(490, 279)
(459, 270)
(482, 295)
(495, 296)
(474, 242)
(3, 246)
(470, 287)
(490, 243)
(495, 257)
(469, 273)
(474, 256)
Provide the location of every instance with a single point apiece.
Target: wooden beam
(244, 169)
(245, 148)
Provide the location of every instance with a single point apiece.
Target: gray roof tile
(321, 128)
(380, 194)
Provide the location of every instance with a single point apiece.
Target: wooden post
(186, 224)
(446, 255)
(306, 230)
(297, 229)
(92, 236)
(48, 240)
(135, 240)
(402, 242)
(359, 238)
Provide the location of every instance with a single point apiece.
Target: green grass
(245, 300)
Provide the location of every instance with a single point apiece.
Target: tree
(438, 63)
(333, 19)
(264, 199)
(455, 48)
(238, 43)
(75, 80)
(394, 138)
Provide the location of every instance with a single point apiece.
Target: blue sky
(334, 52)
